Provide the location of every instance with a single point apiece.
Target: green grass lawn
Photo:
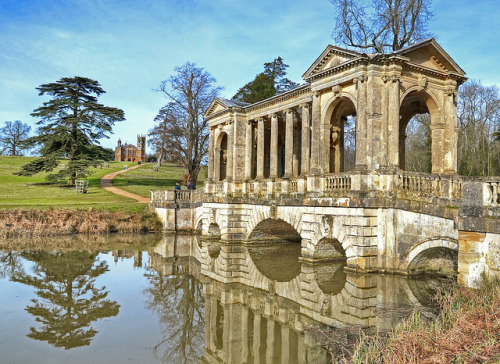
(140, 181)
(35, 192)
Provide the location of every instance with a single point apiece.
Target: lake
(182, 299)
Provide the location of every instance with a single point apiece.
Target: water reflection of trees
(68, 301)
(178, 302)
(10, 262)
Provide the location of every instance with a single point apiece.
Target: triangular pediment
(215, 107)
(331, 57)
(431, 55)
(219, 105)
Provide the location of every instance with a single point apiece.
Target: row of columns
(259, 338)
(379, 135)
(292, 162)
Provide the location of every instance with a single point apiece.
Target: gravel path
(106, 183)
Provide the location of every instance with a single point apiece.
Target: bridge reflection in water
(260, 309)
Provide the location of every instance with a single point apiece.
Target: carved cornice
(338, 69)
(278, 99)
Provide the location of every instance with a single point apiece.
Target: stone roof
(233, 103)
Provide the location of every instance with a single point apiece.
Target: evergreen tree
(72, 123)
(269, 83)
(68, 301)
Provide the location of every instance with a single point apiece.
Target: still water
(180, 299)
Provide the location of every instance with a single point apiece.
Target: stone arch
(330, 278)
(220, 156)
(339, 146)
(274, 229)
(328, 249)
(214, 230)
(199, 224)
(331, 227)
(416, 101)
(276, 262)
(422, 252)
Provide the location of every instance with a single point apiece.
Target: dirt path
(107, 184)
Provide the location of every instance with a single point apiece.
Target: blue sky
(131, 46)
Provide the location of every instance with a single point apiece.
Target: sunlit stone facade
(327, 158)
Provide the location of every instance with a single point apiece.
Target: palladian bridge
(325, 163)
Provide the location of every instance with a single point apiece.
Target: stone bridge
(325, 163)
(256, 313)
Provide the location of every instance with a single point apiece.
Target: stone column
(437, 148)
(306, 139)
(270, 354)
(248, 150)
(450, 142)
(315, 140)
(244, 334)
(256, 337)
(217, 153)
(260, 149)
(361, 142)
(296, 162)
(289, 144)
(230, 153)
(273, 155)
(211, 151)
(285, 345)
(393, 122)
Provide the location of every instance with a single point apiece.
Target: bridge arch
(274, 229)
(419, 255)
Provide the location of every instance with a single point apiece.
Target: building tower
(141, 147)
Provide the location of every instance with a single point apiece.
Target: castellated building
(131, 153)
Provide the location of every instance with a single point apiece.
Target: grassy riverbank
(467, 330)
(35, 192)
(141, 181)
(30, 206)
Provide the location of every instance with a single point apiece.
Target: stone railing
(293, 186)
(492, 193)
(338, 182)
(456, 187)
(173, 196)
(419, 183)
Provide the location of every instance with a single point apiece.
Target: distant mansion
(131, 153)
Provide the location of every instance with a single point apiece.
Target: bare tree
(381, 25)
(185, 134)
(478, 115)
(158, 135)
(418, 144)
(12, 137)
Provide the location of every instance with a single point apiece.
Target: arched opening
(199, 226)
(277, 262)
(342, 137)
(214, 230)
(331, 277)
(436, 260)
(329, 249)
(219, 326)
(274, 230)
(222, 156)
(417, 112)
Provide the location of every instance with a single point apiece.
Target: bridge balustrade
(411, 185)
(492, 195)
(337, 182)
